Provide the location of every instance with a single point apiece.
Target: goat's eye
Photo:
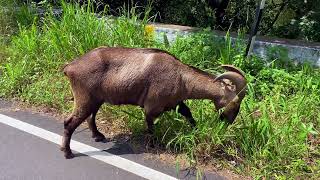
(232, 87)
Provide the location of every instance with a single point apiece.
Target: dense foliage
(294, 19)
(276, 134)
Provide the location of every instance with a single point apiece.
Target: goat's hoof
(151, 144)
(69, 155)
(150, 140)
(99, 137)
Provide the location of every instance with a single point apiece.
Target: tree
(219, 6)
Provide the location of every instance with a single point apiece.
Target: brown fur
(150, 78)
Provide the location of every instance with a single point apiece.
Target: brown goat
(150, 78)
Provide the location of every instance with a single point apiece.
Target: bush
(294, 19)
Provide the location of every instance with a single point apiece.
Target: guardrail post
(255, 27)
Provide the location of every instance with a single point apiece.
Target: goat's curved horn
(232, 69)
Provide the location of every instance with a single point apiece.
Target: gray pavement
(24, 156)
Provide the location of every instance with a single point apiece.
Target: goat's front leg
(150, 125)
(184, 110)
(150, 130)
(150, 116)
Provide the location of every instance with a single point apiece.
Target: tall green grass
(40, 49)
(274, 136)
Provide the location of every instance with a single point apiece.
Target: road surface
(29, 149)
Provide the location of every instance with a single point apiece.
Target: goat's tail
(63, 68)
(67, 70)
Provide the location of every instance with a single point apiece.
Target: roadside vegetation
(276, 134)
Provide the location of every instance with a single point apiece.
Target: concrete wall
(297, 51)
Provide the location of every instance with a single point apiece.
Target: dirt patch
(16, 105)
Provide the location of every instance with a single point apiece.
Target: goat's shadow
(137, 144)
(124, 144)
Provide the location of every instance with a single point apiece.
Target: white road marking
(93, 152)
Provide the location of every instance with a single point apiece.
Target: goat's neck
(201, 86)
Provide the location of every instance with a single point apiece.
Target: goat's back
(125, 75)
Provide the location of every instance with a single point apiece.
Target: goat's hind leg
(78, 116)
(96, 134)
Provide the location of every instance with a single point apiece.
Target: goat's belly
(125, 96)
(122, 101)
(128, 89)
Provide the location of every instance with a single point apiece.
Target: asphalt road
(29, 155)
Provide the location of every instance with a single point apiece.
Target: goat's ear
(232, 87)
(228, 84)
